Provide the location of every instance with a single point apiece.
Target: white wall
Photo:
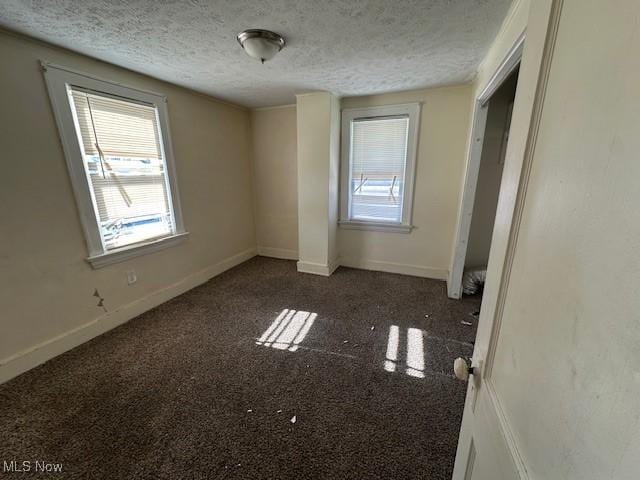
(334, 181)
(317, 126)
(273, 139)
(46, 285)
(566, 365)
(425, 251)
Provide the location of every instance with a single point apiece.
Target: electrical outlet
(131, 277)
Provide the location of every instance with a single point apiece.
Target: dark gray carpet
(167, 395)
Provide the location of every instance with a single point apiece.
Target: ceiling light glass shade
(261, 44)
(260, 49)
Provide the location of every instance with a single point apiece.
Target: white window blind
(125, 166)
(378, 160)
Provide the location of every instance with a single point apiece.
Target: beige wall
(425, 251)
(442, 144)
(273, 138)
(46, 285)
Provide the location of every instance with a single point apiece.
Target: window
(119, 157)
(378, 164)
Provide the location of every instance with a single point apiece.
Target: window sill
(376, 226)
(126, 253)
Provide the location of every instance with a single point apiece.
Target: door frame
(483, 410)
(481, 108)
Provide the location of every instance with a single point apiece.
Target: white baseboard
(334, 265)
(282, 253)
(32, 357)
(391, 267)
(318, 268)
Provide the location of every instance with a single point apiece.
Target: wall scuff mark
(96, 294)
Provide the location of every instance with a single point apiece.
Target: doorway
(489, 140)
(496, 137)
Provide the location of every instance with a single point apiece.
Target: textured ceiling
(348, 47)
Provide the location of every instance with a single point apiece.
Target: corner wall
(441, 155)
(318, 116)
(273, 138)
(440, 161)
(46, 286)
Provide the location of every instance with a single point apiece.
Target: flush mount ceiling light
(261, 44)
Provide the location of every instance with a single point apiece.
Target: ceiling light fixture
(261, 44)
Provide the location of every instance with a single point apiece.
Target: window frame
(59, 81)
(412, 110)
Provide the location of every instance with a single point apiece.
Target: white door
(559, 337)
(486, 448)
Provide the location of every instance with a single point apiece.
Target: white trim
(413, 110)
(476, 139)
(392, 267)
(333, 265)
(505, 428)
(32, 357)
(497, 310)
(509, 63)
(471, 461)
(49, 65)
(315, 92)
(493, 445)
(58, 80)
(518, 202)
(454, 281)
(317, 268)
(502, 257)
(283, 253)
(274, 107)
(511, 16)
(375, 226)
(126, 253)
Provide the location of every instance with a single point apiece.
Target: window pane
(378, 158)
(126, 170)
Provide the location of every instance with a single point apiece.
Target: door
(486, 447)
(560, 400)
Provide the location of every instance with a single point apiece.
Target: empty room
(349, 239)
